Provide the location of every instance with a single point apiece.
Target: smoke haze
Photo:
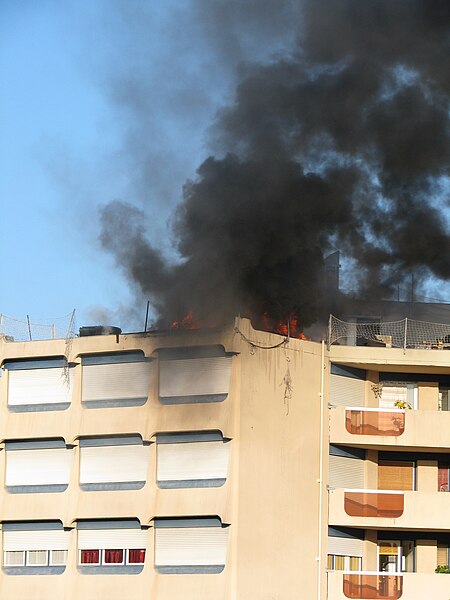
(340, 139)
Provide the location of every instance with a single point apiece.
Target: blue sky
(102, 99)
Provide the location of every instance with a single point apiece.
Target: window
(111, 543)
(394, 393)
(192, 459)
(112, 557)
(37, 385)
(113, 463)
(338, 562)
(89, 557)
(190, 375)
(37, 466)
(135, 557)
(396, 475)
(190, 545)
(444, 397)
(58, 557)
(35, 544)
(442, 554)
(119, 379)
(14, 558)
(37, 558)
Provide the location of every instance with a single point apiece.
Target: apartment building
(222, 463)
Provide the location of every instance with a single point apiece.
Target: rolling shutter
(195, 378)
(191, 459)
(113, 463)
(39, 386)
(124, 377)
(346, 472)
(112, 539)
(48, 466)
(52, 539)
(345, 546)
(395, 475)
(190, 546)
(347, 386)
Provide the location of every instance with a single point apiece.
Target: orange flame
(187, 322)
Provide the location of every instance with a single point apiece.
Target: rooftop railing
(374, 503)
(375, 421)
(406, 333)
(372, 585)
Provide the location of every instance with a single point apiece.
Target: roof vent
(99, 330)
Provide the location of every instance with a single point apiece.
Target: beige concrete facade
(280, 419)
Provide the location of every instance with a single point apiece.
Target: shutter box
(112, 539)
(345, 546)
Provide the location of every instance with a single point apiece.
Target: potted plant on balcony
(403, 404)
(442, 569)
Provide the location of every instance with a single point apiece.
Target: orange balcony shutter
(442, 554)
(395, 475)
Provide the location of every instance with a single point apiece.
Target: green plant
(403, 405)
(442, 569)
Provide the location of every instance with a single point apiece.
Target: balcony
(369, 503)
(372, 421)
(421, 430)
(372, 585)
(408, 586)
(381, 509)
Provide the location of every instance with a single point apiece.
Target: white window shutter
(39, 386)
(49, 466)
(191, 546)
(114, 464)
(194, 377)
(192, 461)
(116, 381)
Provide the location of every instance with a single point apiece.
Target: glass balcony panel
(375, 422)
(372, 586)
(373, 504)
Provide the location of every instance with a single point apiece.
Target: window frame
(57, 564)
(113, 564)
(27, 555)
(133, 564)
(97, 564)
(5, 552)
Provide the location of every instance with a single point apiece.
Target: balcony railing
(358, 585)
(373, 421)
(373, 503)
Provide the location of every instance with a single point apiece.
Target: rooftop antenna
(29, 327)
(146, 315)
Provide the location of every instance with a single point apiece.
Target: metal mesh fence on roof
(407, 333)
(20, 330)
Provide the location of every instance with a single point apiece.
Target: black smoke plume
(341, 141)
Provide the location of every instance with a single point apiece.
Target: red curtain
(136, 556)
(113, 557)
(89, 557)
(443, 478)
